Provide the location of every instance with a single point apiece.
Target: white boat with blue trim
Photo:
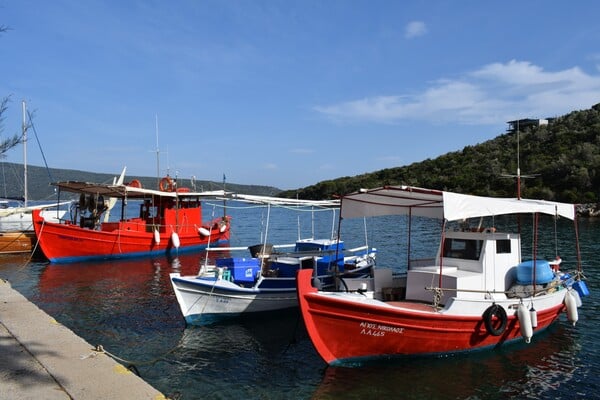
(267, 282)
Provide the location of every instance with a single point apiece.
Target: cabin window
(466, 249)
(503, 246)
(148, 210)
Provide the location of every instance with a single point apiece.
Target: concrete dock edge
(42, 359)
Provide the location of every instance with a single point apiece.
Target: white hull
(207, 299)
(20, 220)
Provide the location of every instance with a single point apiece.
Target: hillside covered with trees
(560, 161)
(40, 179)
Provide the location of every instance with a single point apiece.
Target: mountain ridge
(40, 182)
(559, 161)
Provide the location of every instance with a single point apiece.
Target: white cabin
(475, 265)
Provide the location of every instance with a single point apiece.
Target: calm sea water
(129, 308)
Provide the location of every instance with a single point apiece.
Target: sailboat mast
(24, 127)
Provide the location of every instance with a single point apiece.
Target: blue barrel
(543, 272)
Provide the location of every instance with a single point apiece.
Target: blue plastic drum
(543, 272)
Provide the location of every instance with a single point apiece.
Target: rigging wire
(39, 144)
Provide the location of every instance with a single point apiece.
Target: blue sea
(129, 308)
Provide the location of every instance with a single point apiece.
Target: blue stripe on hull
(173, 252)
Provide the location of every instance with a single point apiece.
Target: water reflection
(231, 359)
(129, 307)
(118, 304)
(517, 371)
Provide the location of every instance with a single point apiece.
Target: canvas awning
(407, 200)
(121, 191)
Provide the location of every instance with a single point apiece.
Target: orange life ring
(183, 190)
(166, 184)
(135, 183)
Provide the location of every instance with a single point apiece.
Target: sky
(285, 93)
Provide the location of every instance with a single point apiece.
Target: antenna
(518, 175)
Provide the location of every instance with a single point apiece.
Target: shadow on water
(518, 371)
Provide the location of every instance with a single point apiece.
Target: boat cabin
(471, 263)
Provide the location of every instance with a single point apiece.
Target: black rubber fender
(488, 319)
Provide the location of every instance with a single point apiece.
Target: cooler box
(242, 269)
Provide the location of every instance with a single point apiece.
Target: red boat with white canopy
(476, 293)
(169, 221)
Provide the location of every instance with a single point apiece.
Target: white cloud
(302, 151)
(414, 29)
(492, 94)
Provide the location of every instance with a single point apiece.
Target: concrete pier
(42, 359)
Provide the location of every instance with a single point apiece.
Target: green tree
(7, 144)
(559, 161)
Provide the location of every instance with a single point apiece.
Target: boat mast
(24, 128)
(157, 154)
(518, 175)
(518, 163)
(224, 197)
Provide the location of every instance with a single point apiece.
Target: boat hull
(17, 242)
(66, 242)
(374, 329)
(204, 300)
(22, 220)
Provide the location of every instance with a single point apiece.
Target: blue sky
(286, 93)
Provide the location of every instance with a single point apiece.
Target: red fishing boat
(169, 221)
(476, 293)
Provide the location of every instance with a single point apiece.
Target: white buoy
(223, 228)
(175, 240)
(203, 231)
(578, 301)
(533, 317)
(525, 322)
(156, 236)
(571, 304)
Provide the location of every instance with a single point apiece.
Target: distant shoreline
(591, 210)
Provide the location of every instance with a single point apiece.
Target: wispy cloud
(302, 151)
(492, 94)
(414, 29)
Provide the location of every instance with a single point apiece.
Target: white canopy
(406, 200)
(285, 202)
(121, 191)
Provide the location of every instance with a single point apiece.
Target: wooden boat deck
(413, 305)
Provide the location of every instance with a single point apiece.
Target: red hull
(345, 331)
(67, 242)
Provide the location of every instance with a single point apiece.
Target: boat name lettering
(378, 330)
(63, 237)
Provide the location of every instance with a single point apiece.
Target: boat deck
(413, 306)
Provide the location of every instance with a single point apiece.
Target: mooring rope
(99, 349)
